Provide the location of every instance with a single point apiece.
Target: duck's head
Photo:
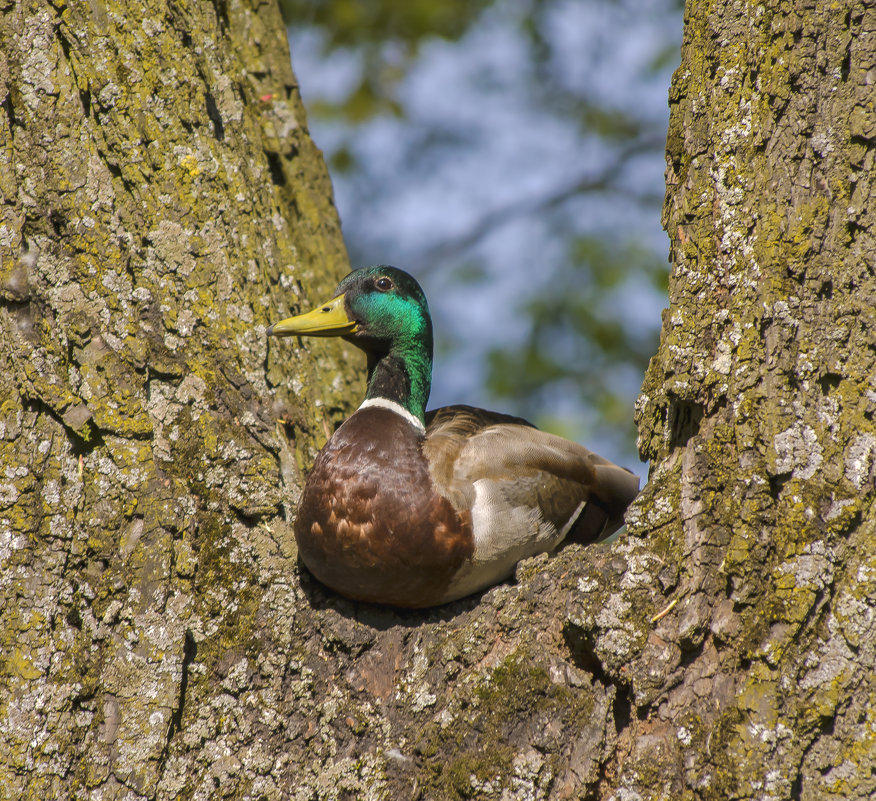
(377, 308)
(383, 311)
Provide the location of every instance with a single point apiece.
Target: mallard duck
(413, 508)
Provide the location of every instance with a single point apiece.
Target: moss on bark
(759, 397)
(161, 202)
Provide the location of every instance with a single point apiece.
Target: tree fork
(162, 200)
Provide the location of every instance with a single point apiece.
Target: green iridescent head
(383, 311)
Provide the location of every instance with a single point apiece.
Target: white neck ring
(385, 403)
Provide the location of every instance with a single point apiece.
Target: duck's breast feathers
(370, 523)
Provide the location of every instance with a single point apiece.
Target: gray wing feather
(554, 477)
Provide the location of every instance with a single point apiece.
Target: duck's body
(415, 509)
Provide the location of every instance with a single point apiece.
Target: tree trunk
(758, 416)
(162, 203)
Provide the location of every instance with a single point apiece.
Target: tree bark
(758, 417)
(162, 202)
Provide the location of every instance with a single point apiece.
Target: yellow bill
(328, 320)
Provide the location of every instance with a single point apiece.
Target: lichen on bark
(761, 394)
(162, 202)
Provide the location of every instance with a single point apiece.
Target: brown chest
(371, 525)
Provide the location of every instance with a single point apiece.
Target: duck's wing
(522, 484)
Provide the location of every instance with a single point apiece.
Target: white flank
(385, 403)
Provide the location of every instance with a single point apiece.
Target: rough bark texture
(161, 202)
(159, 640)
(758, 416)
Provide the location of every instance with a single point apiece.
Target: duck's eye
(384, 284)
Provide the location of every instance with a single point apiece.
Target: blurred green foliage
(358, 23)
(594, 312)
(591, 320)
(387, 34)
